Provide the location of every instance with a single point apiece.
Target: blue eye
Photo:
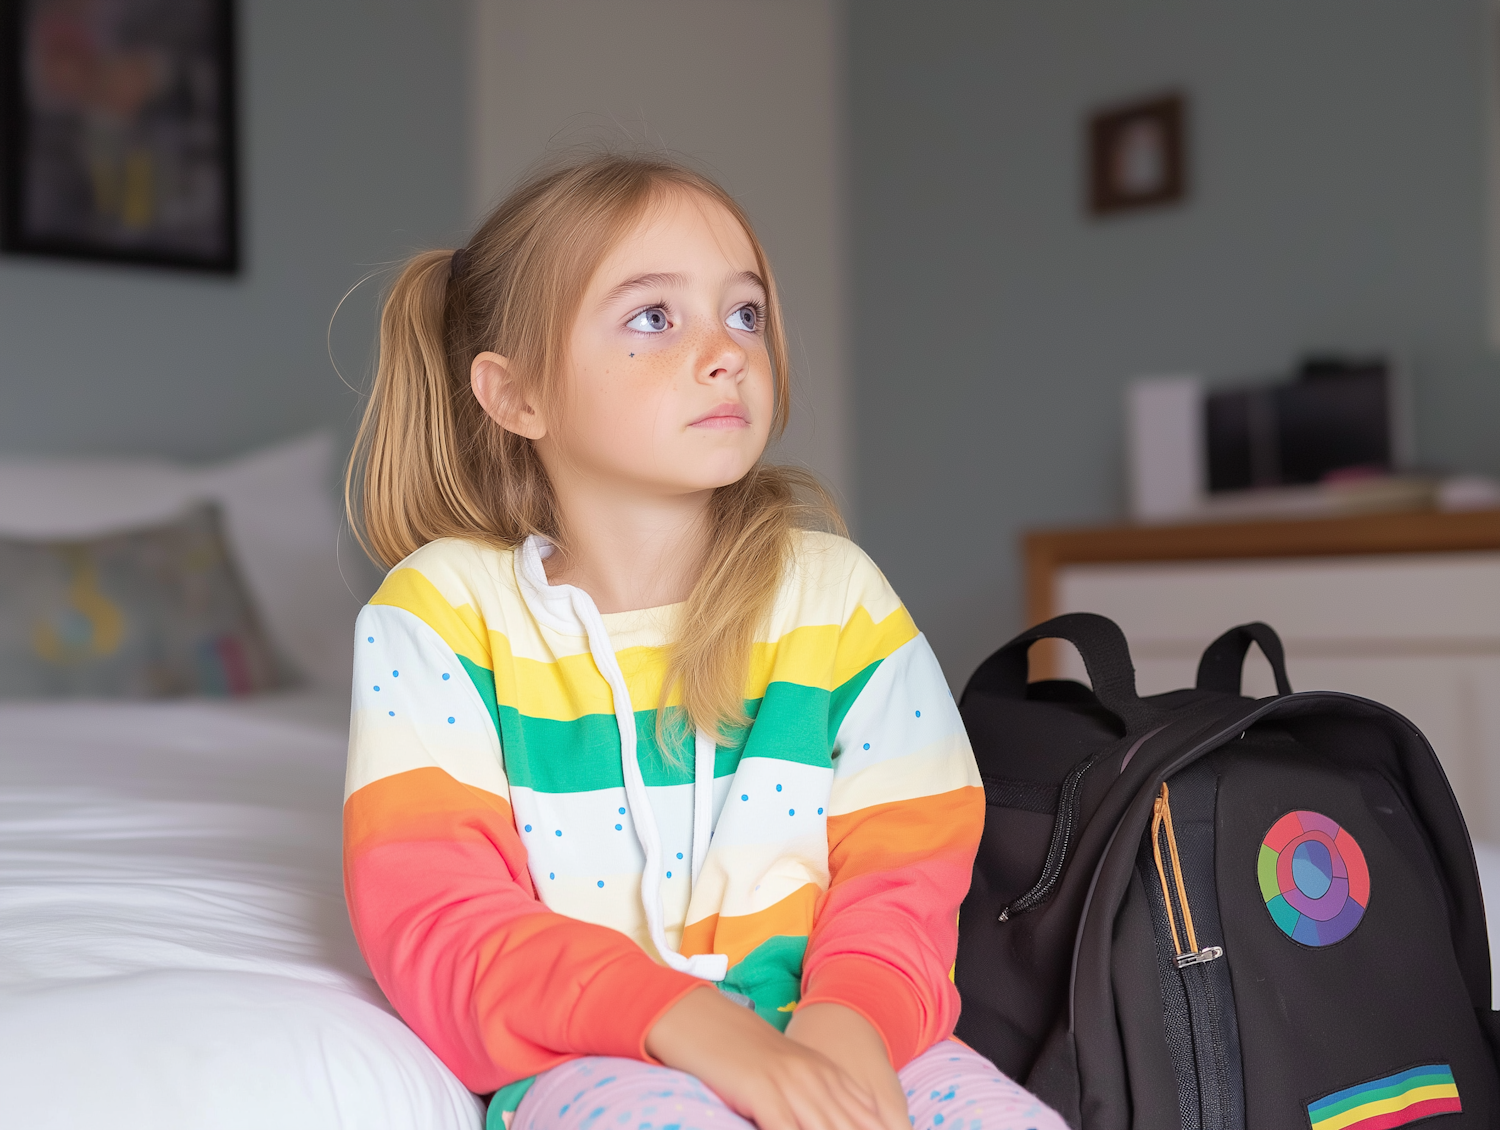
(744, 318)
(652, 321)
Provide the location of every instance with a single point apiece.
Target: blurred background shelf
(1402, 608)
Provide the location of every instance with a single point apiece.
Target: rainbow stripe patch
(1395, 1100)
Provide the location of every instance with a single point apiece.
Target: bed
(174, 946)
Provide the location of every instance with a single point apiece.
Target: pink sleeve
(885, 934)
(497, 985)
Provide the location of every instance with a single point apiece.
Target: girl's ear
(501, 399)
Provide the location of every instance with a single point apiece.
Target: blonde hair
(429, 463)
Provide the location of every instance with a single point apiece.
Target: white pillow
(200, 1050)
(83, 498)
(281, 519)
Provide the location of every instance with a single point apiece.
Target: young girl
(657, 801)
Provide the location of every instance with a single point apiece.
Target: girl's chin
(712, 478)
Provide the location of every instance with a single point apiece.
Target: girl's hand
(777, 1083)
(848, 1039)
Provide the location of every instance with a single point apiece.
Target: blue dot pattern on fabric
(601, 882)
(619, 827)
(558, 832)
(528, 827)
(552, 874)
(370, 638)
(669, 874)
(919, 714)
(395, 674)
(450, 719)
(778, 788)
(969, 1094)
(679, 855)
(744, 796)
(392, 713)
(867, 745)
(622, 812)
(377, 686)
(820, 812)
(791, 812)
(446, 676)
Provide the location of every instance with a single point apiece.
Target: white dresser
(1402, 608)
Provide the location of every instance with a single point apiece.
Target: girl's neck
(629, 553)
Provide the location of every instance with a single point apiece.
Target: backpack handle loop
(1106, 657)
(1223, 662)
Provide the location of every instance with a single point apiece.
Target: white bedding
(174, 948)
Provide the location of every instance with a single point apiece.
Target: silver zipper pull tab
(738, 998)
(1202, 957)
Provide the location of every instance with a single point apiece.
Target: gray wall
(1338, 201)
(553, 75)
(354, 151)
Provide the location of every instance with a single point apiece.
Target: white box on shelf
(1164, 447)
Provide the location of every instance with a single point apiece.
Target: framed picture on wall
(1137, 155)
(117, 131)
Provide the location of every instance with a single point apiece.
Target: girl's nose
(724, 358)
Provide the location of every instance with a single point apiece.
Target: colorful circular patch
(1314, 878)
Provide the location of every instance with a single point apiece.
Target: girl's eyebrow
(672, 278)
(647, 282)
(753, 279)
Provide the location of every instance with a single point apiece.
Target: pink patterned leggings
(948, 1087)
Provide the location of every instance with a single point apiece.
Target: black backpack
(1205, 911)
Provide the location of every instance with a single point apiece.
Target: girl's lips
(724, 416)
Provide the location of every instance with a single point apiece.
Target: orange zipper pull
(1161, 819)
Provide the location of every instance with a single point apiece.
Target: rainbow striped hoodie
(531, 879)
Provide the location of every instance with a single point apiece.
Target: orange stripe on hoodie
(735, 935)
(497, 985)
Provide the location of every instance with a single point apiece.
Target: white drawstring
(703, 799)
(551, 599)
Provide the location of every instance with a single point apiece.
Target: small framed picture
(117, 131)
(1138, 155)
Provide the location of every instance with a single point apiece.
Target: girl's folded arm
(905, 817)
(445, 913)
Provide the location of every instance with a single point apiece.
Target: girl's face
(668, 387)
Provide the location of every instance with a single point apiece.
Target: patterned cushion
(153, 611)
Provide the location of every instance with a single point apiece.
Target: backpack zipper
(1164, 836)
(1062, 829)
(1057, 849)
(1197, 1000)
